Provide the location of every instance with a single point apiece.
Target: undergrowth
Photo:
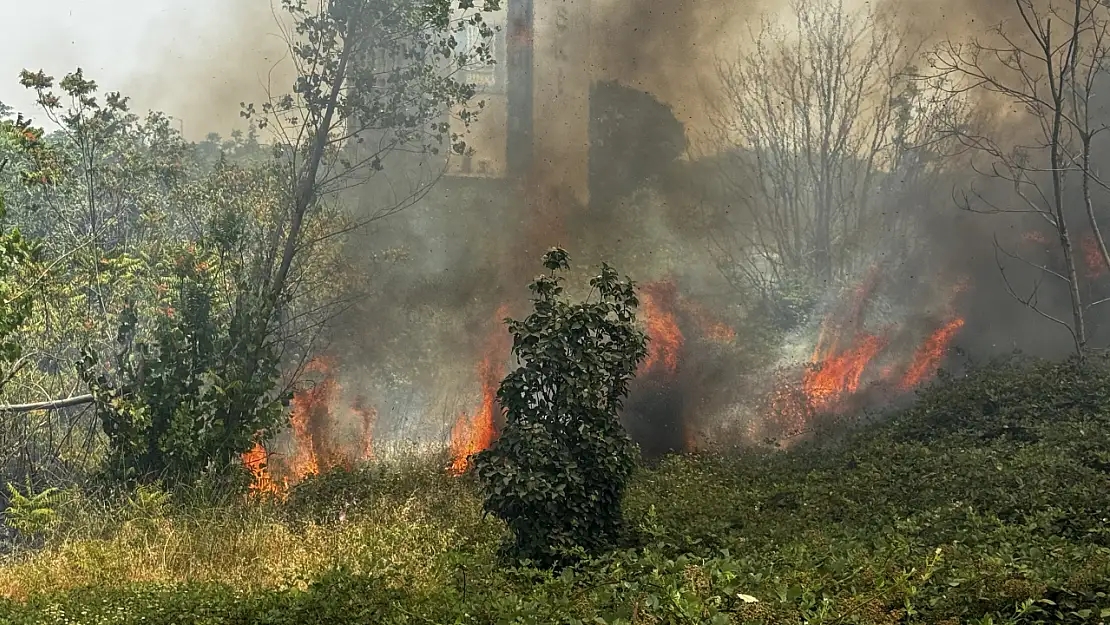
(986, 502)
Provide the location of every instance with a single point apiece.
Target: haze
(179, 56)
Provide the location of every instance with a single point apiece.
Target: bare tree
(1046, 60)
(819, 123)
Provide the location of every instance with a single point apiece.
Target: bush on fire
(559, 470)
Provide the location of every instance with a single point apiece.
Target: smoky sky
(198, 59)
(192, 59)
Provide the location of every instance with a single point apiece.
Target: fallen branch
(56, 404)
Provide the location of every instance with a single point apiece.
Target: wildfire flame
(1092, 256)
(472, 434)
(312, 423)
(256, 461)
(928, 356)
(832, 374)
(711, 329)
(657, 305)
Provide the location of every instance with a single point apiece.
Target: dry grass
(251, 546)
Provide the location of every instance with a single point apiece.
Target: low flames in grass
(313, 426)
(476, 432)
(661, 307)
(658, 306)
(846, 355)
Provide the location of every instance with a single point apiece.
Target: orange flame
(657, 305)
(711, 329)
(928, 356)
(474, 434)
(312, 424)
(256, 461)
(310, 421)
(834, 375)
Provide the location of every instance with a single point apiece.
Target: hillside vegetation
(984, 503)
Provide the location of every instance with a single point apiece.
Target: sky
(192, 59)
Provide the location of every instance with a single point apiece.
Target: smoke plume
(417, 350)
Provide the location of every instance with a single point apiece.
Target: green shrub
(1011, 398)
(193, 396)
(558, 471)
(33, 515)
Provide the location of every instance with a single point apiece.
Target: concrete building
(535, 121)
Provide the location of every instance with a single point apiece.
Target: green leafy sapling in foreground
(560, 468)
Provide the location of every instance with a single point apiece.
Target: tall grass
(411, 518)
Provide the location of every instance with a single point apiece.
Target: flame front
(313, 422)
(711, 329)
(834, 374)
(472, 434)
(256, 461)
(310, 422)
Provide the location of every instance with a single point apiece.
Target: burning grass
(956, 507)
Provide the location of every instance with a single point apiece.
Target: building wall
(562, 76)
(487, 136)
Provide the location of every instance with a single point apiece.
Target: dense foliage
(910, 521)
(17, 254)
(558, 471)
(192, 397)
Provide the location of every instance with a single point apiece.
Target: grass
(985, 503)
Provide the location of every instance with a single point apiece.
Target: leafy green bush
(194, 395)
(557, 474)
(33, 515)
(1013, 398)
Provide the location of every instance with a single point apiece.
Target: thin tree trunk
(1088, 204)
(306, 187)
(1056, 84)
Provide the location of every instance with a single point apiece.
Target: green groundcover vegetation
(986, 502)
